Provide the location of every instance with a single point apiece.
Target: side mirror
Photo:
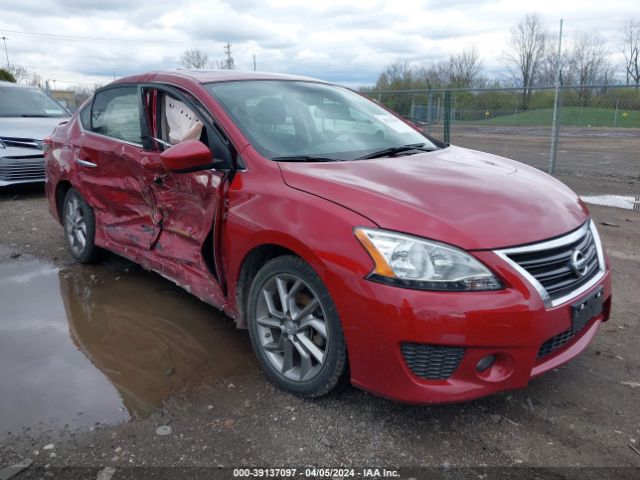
(187, 156)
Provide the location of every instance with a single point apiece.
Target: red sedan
(351, 245)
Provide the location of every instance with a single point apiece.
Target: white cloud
(90, 41)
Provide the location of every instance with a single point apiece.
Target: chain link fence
(598, 126)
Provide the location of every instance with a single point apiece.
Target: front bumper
(511, 324)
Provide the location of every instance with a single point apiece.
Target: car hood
(35, 128)
(463, 197)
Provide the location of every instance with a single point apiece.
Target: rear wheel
(79, 227)
(295, 329)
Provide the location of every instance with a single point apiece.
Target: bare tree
(35, 80)
(224, 64)
(82, 92)
(20, 73)
(527, 44)
(27, 77)
(589, 63)
(396, 76)
(549, 63)
(430, 74)
(631, 50)
(461, 70)
(399, 75)
(456, 71)
(194, 59)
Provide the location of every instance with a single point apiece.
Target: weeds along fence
(598, 127)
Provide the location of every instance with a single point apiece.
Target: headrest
(270, 111)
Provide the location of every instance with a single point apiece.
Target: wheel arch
(256, 257)
(62, 187)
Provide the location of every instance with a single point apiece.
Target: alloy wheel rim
(75, 226)
(292, 327)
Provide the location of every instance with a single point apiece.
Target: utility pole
(254, 63)
(6, 52)
(553, 153)
(227, 50)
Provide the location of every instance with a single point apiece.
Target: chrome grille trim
(21, 142)
(572, 237)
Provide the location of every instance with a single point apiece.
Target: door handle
(86, 163)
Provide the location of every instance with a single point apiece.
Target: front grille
(432, 362)
(552, 267)
(13, 169)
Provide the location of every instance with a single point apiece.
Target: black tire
(87, 252)
(329, 372)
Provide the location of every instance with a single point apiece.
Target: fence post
(553, 153)
(447, 116)
(615, 115)
(412, 114)
(555, 134)
(430, 111)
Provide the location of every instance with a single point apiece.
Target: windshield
(307, 120)
(28, 102)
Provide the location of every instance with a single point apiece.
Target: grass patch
(569, 116)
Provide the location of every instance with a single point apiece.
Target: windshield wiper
(388, 152)
(304, 158)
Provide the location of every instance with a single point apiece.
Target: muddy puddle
(89, 344)
(619, 201)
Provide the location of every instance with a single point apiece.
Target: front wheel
(295, 329)
(79, 227)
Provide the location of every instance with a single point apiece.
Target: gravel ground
(584, 414)
(596, 153)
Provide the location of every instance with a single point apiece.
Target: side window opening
(116, 113)
(173, 121)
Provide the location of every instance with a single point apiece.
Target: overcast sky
(91, 41)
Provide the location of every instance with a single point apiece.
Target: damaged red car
(350, 244)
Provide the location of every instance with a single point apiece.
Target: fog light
(485, 362)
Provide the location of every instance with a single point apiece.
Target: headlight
(414, 262)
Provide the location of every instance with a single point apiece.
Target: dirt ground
(590, 152)
(584, 414)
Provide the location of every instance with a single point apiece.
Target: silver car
(27, 115)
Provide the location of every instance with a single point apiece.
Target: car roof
(209, 76)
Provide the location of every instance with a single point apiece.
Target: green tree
(7, 76)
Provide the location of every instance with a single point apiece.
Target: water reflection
(87, 345)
